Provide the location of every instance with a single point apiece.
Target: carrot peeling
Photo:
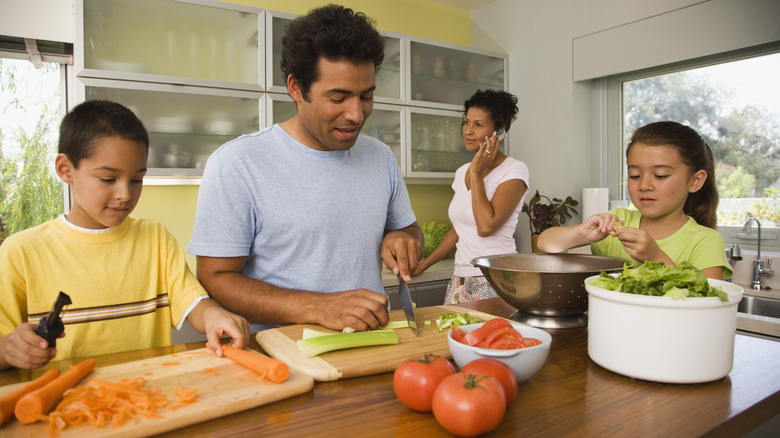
(8, 401)
(268, 367)
(42, 400)
(102, 403)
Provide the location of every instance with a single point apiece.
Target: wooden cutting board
(281, 344)
(224, 387)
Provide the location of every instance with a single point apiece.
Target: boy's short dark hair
(333, 32)
(94, 119)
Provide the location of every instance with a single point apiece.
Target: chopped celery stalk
(455, 320)
(395, 325)
(320, 342)
(427, 322)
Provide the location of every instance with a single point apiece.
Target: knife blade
(406, 302)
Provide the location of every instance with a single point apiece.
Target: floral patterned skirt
(463, 289)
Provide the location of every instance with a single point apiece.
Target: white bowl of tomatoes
(523, 348)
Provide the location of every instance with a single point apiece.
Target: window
(735, 106)
(31, 106)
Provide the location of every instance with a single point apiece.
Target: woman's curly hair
(501, 106)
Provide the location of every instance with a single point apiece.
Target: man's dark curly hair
(333, 32)
(501, 105)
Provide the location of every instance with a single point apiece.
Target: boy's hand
(218, 322)
(22, 348)
(599, 226)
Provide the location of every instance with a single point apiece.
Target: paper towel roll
(594, 200)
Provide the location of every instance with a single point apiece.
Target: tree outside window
(30, 111)
(742, 130)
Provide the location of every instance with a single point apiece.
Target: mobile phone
(500, 135)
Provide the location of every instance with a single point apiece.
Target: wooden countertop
(571, 396)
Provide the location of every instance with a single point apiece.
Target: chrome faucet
(733, 254)
(758, 265)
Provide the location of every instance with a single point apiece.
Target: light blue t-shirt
(305, 219)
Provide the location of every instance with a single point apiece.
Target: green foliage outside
(30, 191)
(745, 141)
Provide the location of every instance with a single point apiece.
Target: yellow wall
(174, 206)
(420, 18)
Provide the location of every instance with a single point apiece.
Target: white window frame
(608, 131)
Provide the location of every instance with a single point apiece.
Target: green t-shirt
(701, 246)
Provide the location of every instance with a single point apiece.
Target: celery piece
(311, 333)
(395, 325)
(319, 342)
(448, 320)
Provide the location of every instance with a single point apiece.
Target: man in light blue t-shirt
(293, 221)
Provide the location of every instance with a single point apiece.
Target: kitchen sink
(759, 306)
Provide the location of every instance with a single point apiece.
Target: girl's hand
(641, 246)
(484, 158)
(599, 226)
(23, 348)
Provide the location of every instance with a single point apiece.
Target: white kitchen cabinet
(185, 124)
(199, 73)
(444, 76)
(170, 41)
(436, 146)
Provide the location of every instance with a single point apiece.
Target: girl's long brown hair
(701, 205)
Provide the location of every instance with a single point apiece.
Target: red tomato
(416, 378)
(499, 371)
(530, 342)
(476, 336)
(458, 334)
(469, 405)
(498, 323)
(507, 344)
(504, 332)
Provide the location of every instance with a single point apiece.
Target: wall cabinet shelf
(202, 73)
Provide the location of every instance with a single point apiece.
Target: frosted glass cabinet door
(385, 124)
(184, 129)
(449, 76)
(164, 37)
(437, 148)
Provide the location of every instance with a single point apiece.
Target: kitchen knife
(406, 302)
(50, 326)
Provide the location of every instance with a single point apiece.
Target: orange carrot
(272, 369)
(8, 401)
(42, 400)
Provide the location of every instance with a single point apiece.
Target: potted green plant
(551, 213)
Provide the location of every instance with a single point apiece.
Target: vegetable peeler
(50, 326)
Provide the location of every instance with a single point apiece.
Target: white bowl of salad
(662, 324)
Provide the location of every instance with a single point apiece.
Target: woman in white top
(489, 194)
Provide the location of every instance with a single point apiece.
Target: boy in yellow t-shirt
(127, 278)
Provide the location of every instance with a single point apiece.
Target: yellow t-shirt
(700, 246)
(129, 285)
